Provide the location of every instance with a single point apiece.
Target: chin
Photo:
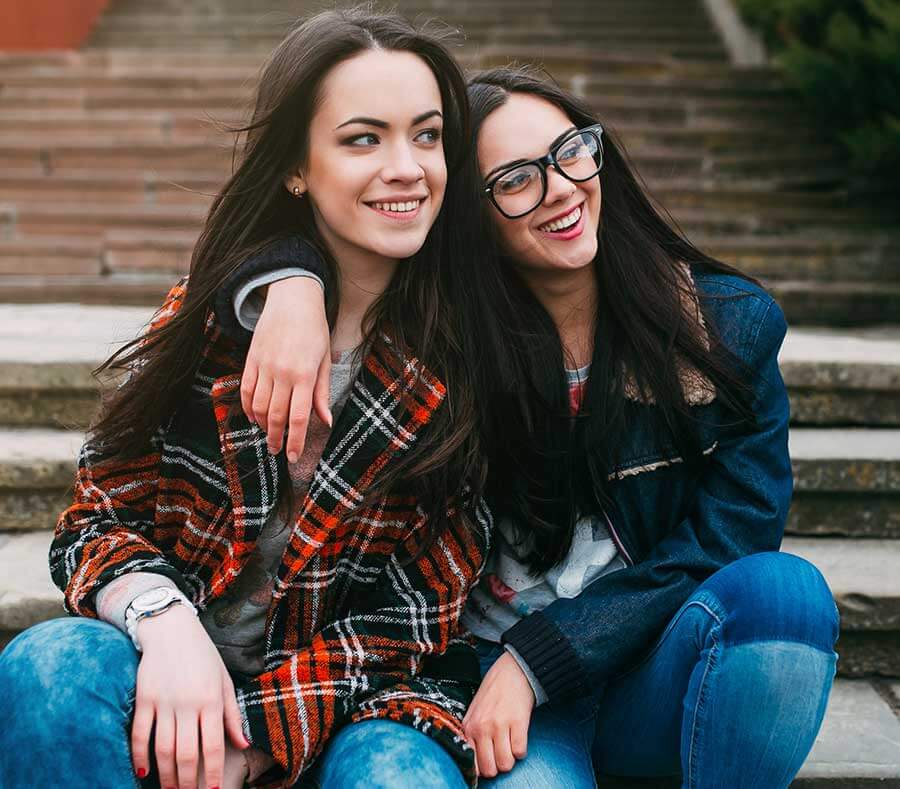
(400, 249)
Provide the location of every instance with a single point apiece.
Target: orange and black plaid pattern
(355, 630)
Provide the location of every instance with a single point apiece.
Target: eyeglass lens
(521, 189)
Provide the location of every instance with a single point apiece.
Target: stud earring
(297, 192)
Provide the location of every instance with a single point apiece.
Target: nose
(559, 188)
(402, 165)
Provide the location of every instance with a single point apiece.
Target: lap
(637, 718)
(382, 753)
(61, 655)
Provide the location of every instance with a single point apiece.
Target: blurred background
(769, 129)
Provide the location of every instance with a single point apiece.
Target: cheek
(514, 236)
(595, 201)
(435, 168)
(336, 191)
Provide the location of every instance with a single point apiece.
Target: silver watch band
(132, 616)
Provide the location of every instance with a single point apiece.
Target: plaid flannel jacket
(354, 630)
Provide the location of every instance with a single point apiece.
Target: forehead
(389, 86)
(522, 128)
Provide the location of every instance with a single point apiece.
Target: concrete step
(204, 148)
(27, 217)
(838, 304)
(672, 124)
(229, 88)
(23, 187)
(846, 480)
(843, 377)
(797, 257)
(838, 378)
(48, 219)
(861, 573)
(858, 745)
(863, 578)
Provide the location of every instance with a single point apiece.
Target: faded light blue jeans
(732, 694)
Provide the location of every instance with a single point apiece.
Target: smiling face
(561, 233)
(375, 173)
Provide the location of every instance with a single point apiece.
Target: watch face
(151, 598)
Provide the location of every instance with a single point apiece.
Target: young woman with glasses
(232, 610)
(635, 616)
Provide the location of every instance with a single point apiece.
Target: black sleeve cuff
(290, 251)
(549, 655)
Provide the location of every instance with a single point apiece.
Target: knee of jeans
(776, 596)
(383, 753)
(64, 662)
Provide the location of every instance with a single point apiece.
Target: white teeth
(398, 208)
(567, 221)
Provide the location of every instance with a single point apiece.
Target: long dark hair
(254, 208)
(547, 467)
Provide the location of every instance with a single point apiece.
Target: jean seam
(662, 637)
(701, 702)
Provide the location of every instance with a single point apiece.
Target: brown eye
(514, 182)
(362, 140)
(429, 136)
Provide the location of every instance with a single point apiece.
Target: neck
(363, 276)
(570, 298)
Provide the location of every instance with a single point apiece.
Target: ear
(295, 181)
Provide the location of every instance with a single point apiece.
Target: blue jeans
(732, 694)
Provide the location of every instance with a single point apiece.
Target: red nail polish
(141, 772)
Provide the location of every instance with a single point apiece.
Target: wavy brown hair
(254, 209)
(547, 466)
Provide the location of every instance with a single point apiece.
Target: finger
(165, 748)
(485, 754)
(299, 421)
(518, 740)
(141, 726)
(261, 396)
(322, 391)
(248, 386)
(278, 412)
(212, 742)
(503, 755)
(233, 721)
(187, 752)
(475, 751)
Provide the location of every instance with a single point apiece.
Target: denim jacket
(673, 525)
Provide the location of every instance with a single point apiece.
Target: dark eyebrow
(517, 162)
(384, 125)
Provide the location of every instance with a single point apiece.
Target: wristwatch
(151, 603)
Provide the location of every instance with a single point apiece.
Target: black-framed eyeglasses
(521, 188)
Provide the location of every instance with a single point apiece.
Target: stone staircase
(109, 157)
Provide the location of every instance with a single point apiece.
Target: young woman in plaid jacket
(374, 544)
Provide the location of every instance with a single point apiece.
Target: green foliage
(844, 56)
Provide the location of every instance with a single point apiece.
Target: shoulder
(744, 314)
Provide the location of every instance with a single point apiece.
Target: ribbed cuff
(248, 304)
(549, 655)
(282, 253)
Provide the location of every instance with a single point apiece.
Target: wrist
(175, 616)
